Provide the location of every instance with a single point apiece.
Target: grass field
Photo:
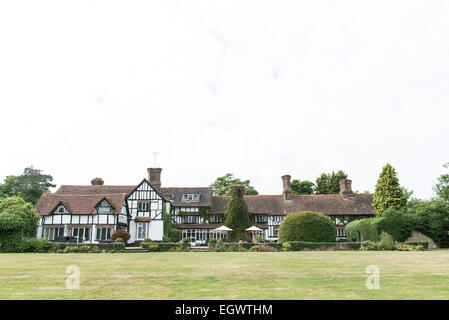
(227, 275)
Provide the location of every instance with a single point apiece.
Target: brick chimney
(346, 188)
(287, 191)
(154, 177)
(97, 182)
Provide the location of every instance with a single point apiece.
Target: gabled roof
(330, 204)
(94, 189)
(175, 194)
(78, 204)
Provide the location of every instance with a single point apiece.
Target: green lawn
(227, 275)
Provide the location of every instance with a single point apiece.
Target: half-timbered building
(91, 213)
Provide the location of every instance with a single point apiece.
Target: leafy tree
(432, 219)
(237, 216)
(442, 187)
(29, 185)
(388, 194)
(18, 221)
(329, 183)
(301, 187)
(222, 185)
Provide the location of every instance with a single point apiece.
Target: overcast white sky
(255, 88)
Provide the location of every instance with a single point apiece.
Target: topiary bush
(307, 226)
(120, 233)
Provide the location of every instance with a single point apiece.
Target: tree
(18, 221)
(29, 185)
(307, 226)
(329, 183)
(222, 185)
(388, 194)
(237, 216)
(442, 187)
(301, 187)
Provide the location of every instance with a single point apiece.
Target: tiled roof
(78, 204)
(175, 195)
(91, 190)
(330, 204)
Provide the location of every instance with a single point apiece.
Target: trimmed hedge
(280, 246)
(396, 223)
(307, 226)
(45, 246)
(165, 246)
(431, 218)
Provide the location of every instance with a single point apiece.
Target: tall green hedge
(431, 218)
(352, 230)
(307, 226)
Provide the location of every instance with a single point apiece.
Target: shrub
(254, 249)
(304, 245)
(185, 240)
(147, 240)
(174, 235)
(259, 238)
(286, 246)
(119, 240)
(20, 217)
(369, 229)
(213, 241)
(397, 223)
(307, 226)
(352, 230)
(121, 233)
(432, 219)
(153, 247)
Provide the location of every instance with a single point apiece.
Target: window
(260, 218)
(216, 218)
(61, 210)
(104, 207)
(341, 233)
(143, 206)
(80, 234)
(191, 219)
(191, 197)
(103, 234)
(141, 230)
(52, 233)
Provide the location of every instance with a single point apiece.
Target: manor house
(91, 213)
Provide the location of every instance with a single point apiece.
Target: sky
(259, 89)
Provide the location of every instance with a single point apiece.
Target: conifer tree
(237, 216)
(388, 194)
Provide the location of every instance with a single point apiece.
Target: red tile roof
(78, 204)
(330, 204)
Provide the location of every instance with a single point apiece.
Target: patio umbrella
(253, 228)
(223, 230)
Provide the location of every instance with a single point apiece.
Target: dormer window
(190, 197)
(61, 210)
(104, 207)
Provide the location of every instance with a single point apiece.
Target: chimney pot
(97, 182)
(154, 177)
